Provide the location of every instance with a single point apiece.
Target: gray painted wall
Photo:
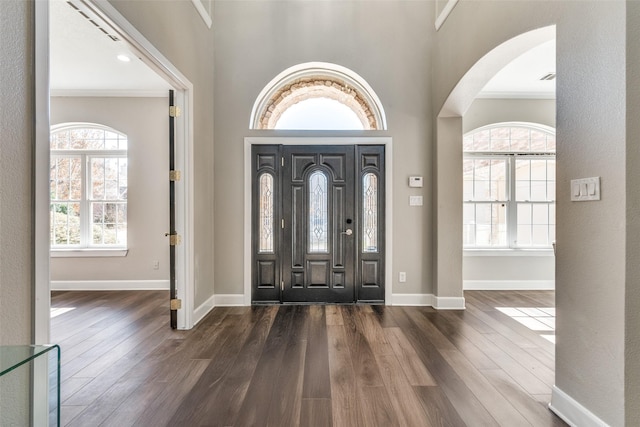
(632, 296)
(144, 121)
(485, 111)
(16, 206)
(16, 141)
(591, 259)
(176, 29)
(256, 40)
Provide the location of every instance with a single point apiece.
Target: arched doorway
(449, 214)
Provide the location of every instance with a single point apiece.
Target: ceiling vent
(548, 76)
(88, 18)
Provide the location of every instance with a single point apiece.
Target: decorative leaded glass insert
(318, 217)
(266, 214)
(370, 213)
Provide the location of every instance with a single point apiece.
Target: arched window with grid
(88, 187)
(509, 186)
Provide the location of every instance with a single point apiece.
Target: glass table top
(13, 356)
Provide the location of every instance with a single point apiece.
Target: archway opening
(449, 216)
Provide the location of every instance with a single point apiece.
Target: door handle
(348, 232)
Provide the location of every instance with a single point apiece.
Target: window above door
(318, 96)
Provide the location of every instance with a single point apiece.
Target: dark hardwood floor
(310, 365)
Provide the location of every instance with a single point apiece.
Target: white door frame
(107, 14)
(320, 140)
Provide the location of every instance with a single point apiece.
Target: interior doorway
(117, 31)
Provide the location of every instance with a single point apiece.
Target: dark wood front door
(318, 216)
(318, 212)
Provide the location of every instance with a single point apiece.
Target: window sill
(508, 252)
(88, 253)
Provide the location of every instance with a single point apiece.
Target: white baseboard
(449, 303)
(109, 285)
(430, 300)
(229, 300)
(412, 299)
(509, 285)
(572, 412)
(203, 309)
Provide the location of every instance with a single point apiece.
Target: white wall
(591, 133)
(508, 271)
(144, 121)
(256, 40)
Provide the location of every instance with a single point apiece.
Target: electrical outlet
(402, 277)
(156, 265)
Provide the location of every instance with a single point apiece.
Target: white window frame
(87, 248)
(511, 204)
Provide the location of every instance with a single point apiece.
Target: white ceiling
(521, 77)
(84, 63)
(84, 60)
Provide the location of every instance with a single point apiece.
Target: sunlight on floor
(539, 319)
(60, 310)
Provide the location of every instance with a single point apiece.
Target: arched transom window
(318, 96)
(509, 174)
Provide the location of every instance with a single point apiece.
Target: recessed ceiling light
(124, 58)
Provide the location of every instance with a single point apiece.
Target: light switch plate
(585, 189)
(415, 200)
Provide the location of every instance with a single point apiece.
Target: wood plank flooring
(306, 365)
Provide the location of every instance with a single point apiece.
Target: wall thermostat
(415, 181)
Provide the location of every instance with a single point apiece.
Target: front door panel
(317, 198)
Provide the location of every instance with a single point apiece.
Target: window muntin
(88, 185)
(265, 228)
(369, 213)
(509, 187)
(318, 213)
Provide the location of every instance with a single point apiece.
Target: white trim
(572, 412)
(509, 285)
(530, 125)
(448, 303)
(42, 230)
(320, 140)
(41, 315)
(412, 299)
(445, 13)
(147, 52)
(206, 17)
(203, 309)
(228, 300)
(517, 95)
(318, 69)
(97, 93)
(508, 252)
(88, 253)
(109, 285)
(429, 300)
